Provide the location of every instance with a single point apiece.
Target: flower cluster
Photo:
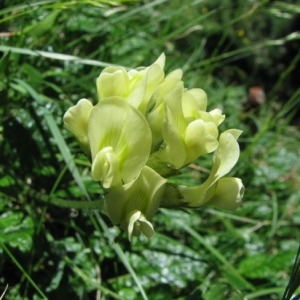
(144, 128)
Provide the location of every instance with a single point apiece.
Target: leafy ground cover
(51, 54)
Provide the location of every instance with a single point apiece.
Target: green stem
(162, 168)
(119, 251)
(98, 204)
(172, 198)
(265, 292)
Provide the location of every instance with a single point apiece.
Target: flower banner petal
(113, 81)
(227, 154)
(201, 138)
(174, 128)
(115, 123)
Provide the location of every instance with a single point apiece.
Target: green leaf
(64, 149)
(33, 73)
(216, 292)
(40, 28)
(265, 266)
(4, 62)
(16, 230)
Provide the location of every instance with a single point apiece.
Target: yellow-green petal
(228, 194)
(224, 159)
(113, 81)
(142, 194)
(117, 124)
(193, 101)
(76, 120)
(156, 116)
(174, 128)
(227, 154)
(153, 76)
(135, 86)
(105, 168)
(137, 224)
(200, 138)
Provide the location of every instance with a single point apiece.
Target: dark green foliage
(51, 54)
(294, 282)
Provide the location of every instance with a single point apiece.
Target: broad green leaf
(267, 265)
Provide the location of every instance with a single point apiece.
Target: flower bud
(135, 86)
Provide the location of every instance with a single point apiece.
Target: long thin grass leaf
(72, 167)
(16, 262)
(232, 55)
(264, 292)
(293, 65)
(64, 149)
(122, 257)
(24, 9)
(89, 281)
(294, 282)
(137, 10)
(54, 55)
(1, 297)
(228, 267)
(248, 50)
(231, 216)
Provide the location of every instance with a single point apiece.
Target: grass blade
(54, 55)
(228, 267)
(73, 169)
(294, 282)
(63, 148)
(23, 271)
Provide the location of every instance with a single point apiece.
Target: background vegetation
(52, 52)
